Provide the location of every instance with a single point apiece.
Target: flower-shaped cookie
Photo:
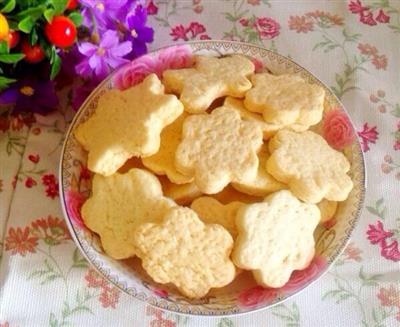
(328, 210)
(275, 237)
(237, 104)
(309, 166)
(119, 204)
(263, 183)
(210, 79)
(211, 211)
(286, 100)
(218, 148)
(127, 123)
(182, 194)
(184, 251)
(163, 162)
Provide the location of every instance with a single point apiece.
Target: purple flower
(98, 58)
(104, 12)
(30, 95)
(138, 33)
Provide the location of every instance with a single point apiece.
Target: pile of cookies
(200, 192)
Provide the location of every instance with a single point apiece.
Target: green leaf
(65, 310)
(33, 37)
(379, 202)
(59, 6)
(78, 261)
(53, 320)
(11, 58)
(339, 80)
(396, 111)
(9, 6)
(76, 18)
(4, 47)
(34, 13)
(373, 210)
(230, 17)
(26, 24)
(55, 66)
(49, 14)
(225, 322)
(266, 2)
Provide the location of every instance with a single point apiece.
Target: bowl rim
(330, 263)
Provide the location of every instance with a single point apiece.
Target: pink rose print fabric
(135, 72)
(352, 46)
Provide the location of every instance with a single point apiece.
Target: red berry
(33, 54)
(72, 4)
(61, 32)
(13, 39)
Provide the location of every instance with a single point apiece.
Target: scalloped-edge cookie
(237, 104)
(211, 78)
(263, 184)
(211, 211)
(218, 148)
(119, 204)
(184, 251)
(328, 210)
(309, 166)
(127, 123)
(182, 194)
(275, 237)
(286, 100)
(163, 162)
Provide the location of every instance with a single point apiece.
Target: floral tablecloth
(351, 46)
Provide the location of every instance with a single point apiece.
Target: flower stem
(95, 35)
(351, 291)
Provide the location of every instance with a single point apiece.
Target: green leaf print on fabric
(322, 22)
(289, 314)
(225, 322)
(246, 27)
(378, 209)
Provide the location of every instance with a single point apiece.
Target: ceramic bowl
(242, 295)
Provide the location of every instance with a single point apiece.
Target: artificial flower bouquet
(45, 44)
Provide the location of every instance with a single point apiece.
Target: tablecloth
(351, 46)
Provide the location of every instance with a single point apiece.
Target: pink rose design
(257, 295)
(382, 17)
(268, 28)
(196, 28)
(258, 65)
(152, 9)
(337, 129)
(179, 32)
(169, 58)
(391, 251)
(329, 223)
(367, 18)
(356, 7)
(377, 234)
(74, 201)
(396, 146)
(160, 292)
(175, 57)
(300, 278)
(368, 135)
(135, 72)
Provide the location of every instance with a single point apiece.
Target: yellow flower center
(133, 33)
(27, 90)
(100, 6)
(101, 51)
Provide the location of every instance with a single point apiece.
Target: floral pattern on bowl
(242, 295)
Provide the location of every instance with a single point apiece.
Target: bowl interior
(238, 297)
